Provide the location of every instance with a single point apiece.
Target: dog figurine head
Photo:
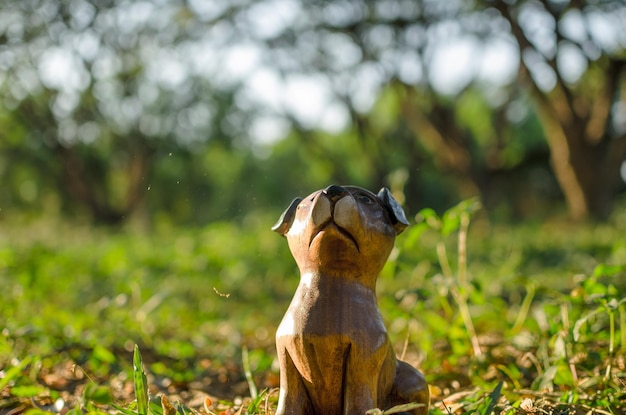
(342, 230)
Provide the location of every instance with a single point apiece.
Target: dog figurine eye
(365, 199)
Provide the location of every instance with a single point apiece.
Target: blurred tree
(96, 92)
(575, 69)
(454, 68)
(118, 100)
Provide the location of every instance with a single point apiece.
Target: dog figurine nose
(334, 192)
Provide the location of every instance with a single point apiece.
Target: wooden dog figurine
(334, 353)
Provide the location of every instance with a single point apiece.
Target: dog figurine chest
(334, 353)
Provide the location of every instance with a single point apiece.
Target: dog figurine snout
(334, 192)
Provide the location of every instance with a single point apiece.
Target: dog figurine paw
(334, 353)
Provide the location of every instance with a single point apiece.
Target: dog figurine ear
(286, 219)
(396, 213)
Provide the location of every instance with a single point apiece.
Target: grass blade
(141, 383)
(494, 396)
(248, 373)
(13, 372)
(396, 409)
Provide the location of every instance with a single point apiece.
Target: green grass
(502, 319)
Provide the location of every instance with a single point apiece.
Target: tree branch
(561, 100)
(600, 114)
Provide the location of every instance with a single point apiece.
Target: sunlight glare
(453, 65)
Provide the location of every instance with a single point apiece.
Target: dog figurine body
(334, 353)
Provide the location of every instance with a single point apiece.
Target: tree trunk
(586, 163)
(448, 144)
(588, 173)
(577, 120)
(95, 196)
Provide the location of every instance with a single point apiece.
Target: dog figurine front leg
(365, 391)
(293, 400)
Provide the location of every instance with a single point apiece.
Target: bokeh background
(194, 111)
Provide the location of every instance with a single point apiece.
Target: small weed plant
(562, 352)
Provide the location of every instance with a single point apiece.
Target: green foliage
(546, 307)
(546, 322)
(454, 219)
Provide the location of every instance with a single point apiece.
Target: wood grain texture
(334, 353)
